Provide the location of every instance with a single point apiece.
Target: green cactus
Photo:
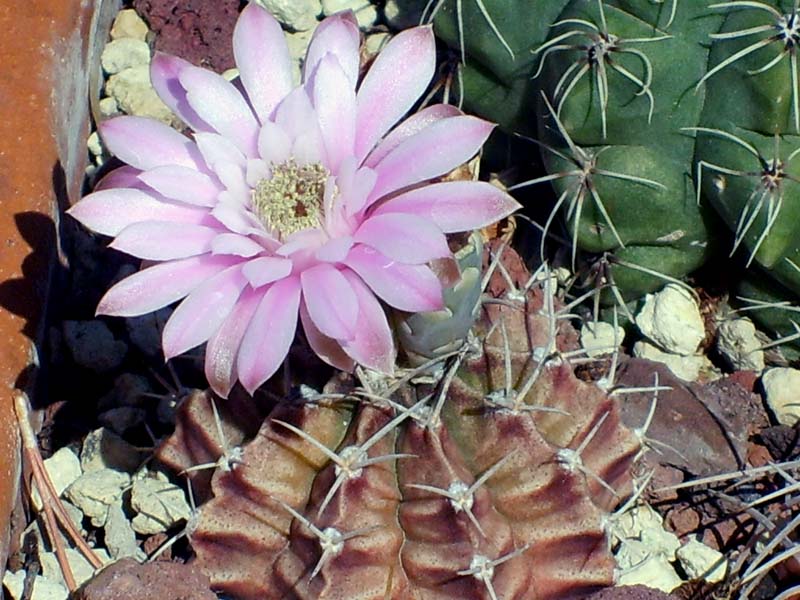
(662, 125)
(490, 473)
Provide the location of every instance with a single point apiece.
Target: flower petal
(403, 237)
(330, 300)
(412, 288)
(217, 149)
(274, 145)
(397, 78)
(413, 124)
(222, 106)
(110, 211)
(236, 244)
(183, 184)
(223, 346)
(453, 205)
(335, 250)
(159, 240)
(266, 269)
(270, 334)
(160, 285)
(122, 177)
(373, 345)
(146, 143)
(203, 311)
(337, 35)
(432, 152)
(262, 56)
(326, 348)
(335, 103)
(165, 71)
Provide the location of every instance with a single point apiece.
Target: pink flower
(288, 201)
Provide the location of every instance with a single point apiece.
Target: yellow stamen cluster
(291, 200)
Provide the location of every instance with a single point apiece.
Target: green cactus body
(748, 148)
(621, 90)
(640, 103)
(493, 479)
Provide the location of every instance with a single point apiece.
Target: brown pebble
(128, 580)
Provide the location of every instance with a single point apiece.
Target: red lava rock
(630, 592)
(197, 30)
(746, 379)
(154, 542)
(128, 580)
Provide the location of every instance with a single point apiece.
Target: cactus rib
(429, 15)
(596, 56)
(786, 29)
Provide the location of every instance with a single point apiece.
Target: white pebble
(63, 468)
(298, 15)
(738, 342)
(365, 11)
(781, 386)
(95, 491)
(129, 24)
(599, 338)
(124, 53)
(701, 562)
(671, 319)
(160, 506)
(688, 368)
(43, 588)
(108, 107)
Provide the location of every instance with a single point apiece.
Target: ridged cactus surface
(490, 475)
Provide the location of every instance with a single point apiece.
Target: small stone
(781, 386)
(108, 107)
(671, 319)
(129, 390)
(701, 562)
(124, 53)
(63, 468)
(93, 346)
(145, 331)
(161, 505)
(135, 95)
(366, 12)
(121, 419)
(128, 580)
(120, 538)
(655, 572)
(95, 491)
(374, 43)
(738, 342)
(103, 449)
(81, 568)
(643, 524)
(688, 368)
(95, 144)
(298, 15)
(43, 588)
(129, 24)
(402, 15)
(599, 338)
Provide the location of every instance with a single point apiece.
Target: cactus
(651, 113)
(490, 472)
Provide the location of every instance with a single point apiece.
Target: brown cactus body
(492, 482)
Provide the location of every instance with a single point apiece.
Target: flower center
(291, 200)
